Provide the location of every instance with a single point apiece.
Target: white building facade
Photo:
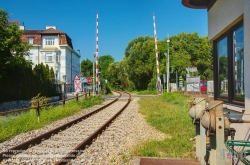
(55, 48)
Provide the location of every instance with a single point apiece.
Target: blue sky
(120, 21)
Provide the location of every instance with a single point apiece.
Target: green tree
(11, 47)
(87, 68)
(140, 56)
(188, 50)
(13, 66)
(104, 62)
(113, 71)
(51, 76)
(118, 75)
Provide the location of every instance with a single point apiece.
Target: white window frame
(49, 41)
(30, 40)
(57, 57)
(48, 57)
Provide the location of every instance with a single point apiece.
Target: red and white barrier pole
(96, 55)
(157, 59)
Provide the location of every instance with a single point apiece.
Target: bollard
(85, 95)
(37, 111)
(196, 108)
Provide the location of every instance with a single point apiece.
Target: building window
(30, 40)
(238, 61)
(229, 66)
(48, 57)
(223, 66)
(49, 41)
(57, 57)
(30, 57)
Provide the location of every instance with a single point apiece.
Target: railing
(38, 107)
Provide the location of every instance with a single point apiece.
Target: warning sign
(77, 83)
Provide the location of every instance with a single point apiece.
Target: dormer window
(49, 41)
(30, 40)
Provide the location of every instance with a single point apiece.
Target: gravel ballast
(113, 145)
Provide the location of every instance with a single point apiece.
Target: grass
(145, 92)
(167, 113)
(15, 124)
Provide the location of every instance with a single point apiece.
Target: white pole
(96, 55)
(93, 81)
(157, 59)
(168, 66)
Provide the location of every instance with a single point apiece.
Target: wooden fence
(38, 107)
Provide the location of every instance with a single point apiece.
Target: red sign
(89, 80)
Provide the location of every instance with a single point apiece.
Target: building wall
(221, 17)
(247, 52)
(65, 66)
(62, 63)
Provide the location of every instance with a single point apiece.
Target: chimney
(22, 27)
(48, 27)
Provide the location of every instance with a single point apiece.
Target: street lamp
(168, 41)
(80, 60)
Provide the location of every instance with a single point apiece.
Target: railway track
(64, 143)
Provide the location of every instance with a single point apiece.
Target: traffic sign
(84, 79)
(89, 80)
(77, 83)
(77, 77)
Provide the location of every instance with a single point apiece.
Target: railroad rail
(64, 143)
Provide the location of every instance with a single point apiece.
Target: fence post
(63, 99)
(77, 97)
(85, 95)
(37, 111)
